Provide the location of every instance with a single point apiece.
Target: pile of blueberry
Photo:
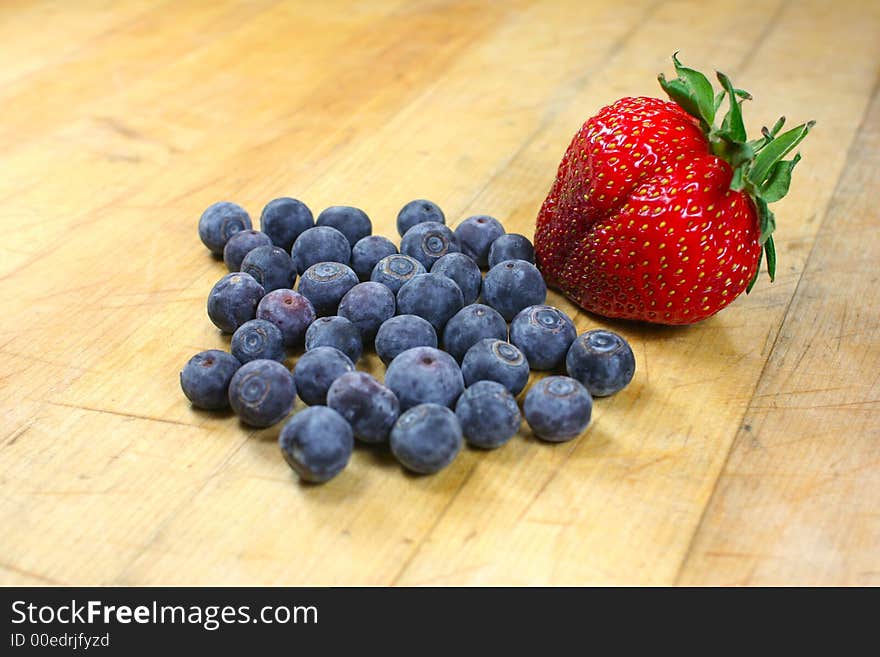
(357, 289)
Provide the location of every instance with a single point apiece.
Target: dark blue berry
(418, 212)
(320, 244)
(367, 305)
(395, 270)
(476, 235)
(367, 252)
(496, 360)
(337, 332)
(284, 219)
(220, 222)
(470, 325)
(543, 334)
(317, 443)
(511, 246)
(513, 285)
(424, 375)
(464, 271)
(403, 332)
(262, 392)
(369, 407)
(205, 379)
(558, 408)
(601, 360)
(289, 311)
(431, 296)
(324, 284)
(271, 266)
(351, 222)
(426, 438)
(240, 244)
(233, 301)
(488, 414)
(257, 339)
(426, 242)
(316, 370)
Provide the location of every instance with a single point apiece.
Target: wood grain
(744, 452)
(798, 499)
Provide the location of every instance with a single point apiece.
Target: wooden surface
(746, 450)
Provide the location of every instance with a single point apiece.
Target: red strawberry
(657, 215)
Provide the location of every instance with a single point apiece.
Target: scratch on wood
(123, 414)
(642, 466)
(839, 406)
(547, 482)
(27, 573)
(18, 434)
(118, 127)
(800, 392)
(735, 555)
(46, 361)
(842, 326)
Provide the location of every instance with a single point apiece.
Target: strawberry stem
(758, 167)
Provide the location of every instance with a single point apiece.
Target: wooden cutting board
(745, 451)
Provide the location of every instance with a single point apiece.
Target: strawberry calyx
(758, 166)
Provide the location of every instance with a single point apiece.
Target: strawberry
(658, 215)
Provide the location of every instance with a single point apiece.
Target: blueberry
(316, 370)
(337, 332)
(426, 242)
(320, 244)
(324, 284)
(220, 222)
(367, 252)
(257, 339)
(317, 443)
(511, 246)
(418, 212)
(496, 360)
(464, 271)
(424, 375)
(558, 408)
(426, 438)
(370, 408)
(403, 332)
(367, 305)
(431, 296)
(284, 219)
(395, 270)
(290, 311)
(476, 235)
(470, 325)
(233, 301)
(513, 285)
(205, 379)
(271, 267)
(262, 392)
(240, 244)
(601, 360)
(543, 334)
(351, 222)
(488, 414)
